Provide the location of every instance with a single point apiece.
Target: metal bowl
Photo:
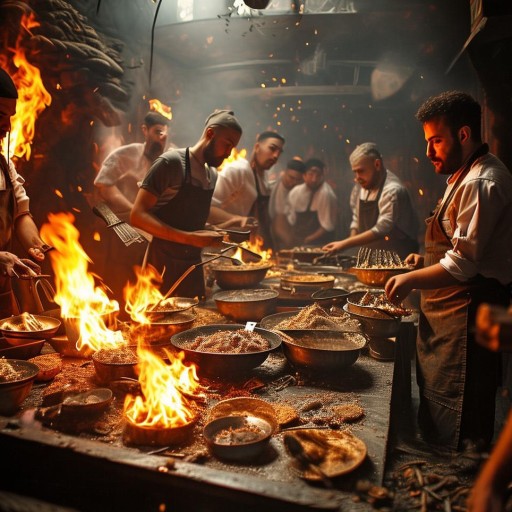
(330, 297)
(72, 324)
(245, 276)
(237, 438)
(164, 328)
(270, 321)
(374, 326)
(18, 335)
(323, 351)
(354, 306)
(377, 276)
(30, 348)
(112, 370)
(306, 283)
(13, 392)
(89, 402)
(216, 364)
(246, 305)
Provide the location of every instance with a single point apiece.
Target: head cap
(152, 118)
(225, 118)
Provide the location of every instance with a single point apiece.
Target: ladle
(235, 261)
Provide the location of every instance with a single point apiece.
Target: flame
(77, 294)
(233, 157)
(33, 97)
(255, 246)
(161, 108)
(163, 386)
(145, 292)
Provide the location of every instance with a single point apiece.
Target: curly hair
(457, 108)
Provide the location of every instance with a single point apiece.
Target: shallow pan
(163, 328)
(217, 364)
(330, 297)
(90, 402)
(17, 332)
(246, 304)
(30, 348)
(377, 276)
(323, 351)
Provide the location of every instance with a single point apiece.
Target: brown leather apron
(187, 211)
(457, 378)
(396, 240)
(259, 210)
(306, 223)
(6, 226)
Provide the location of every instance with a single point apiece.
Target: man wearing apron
(173, 203)
(467, 261)
(14, 213)
(382, 213)
(243, 189)
(313, 207)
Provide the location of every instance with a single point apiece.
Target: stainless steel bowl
(323, 351)
(237, 438)
(217, 364)
(234, 278)
(246, 305)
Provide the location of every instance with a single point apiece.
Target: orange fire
(257, 247)
(33, 97)
(144, 293)
(163, 386)
(161, 108)
(233, 157)
(78, 296)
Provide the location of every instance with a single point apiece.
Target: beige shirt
(22, 201)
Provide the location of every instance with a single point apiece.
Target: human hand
(333, 247)
(415, 260)
(11, 265)
(38, 253)
(397, 288)
(208, 238)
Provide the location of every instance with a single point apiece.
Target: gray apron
(396, 240)
(306, 223)
(6, 225)
(457, 377)
(259, 210)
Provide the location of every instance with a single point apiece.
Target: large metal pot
(217, 364)
(244, 276)
(246, 305)
(323, 351)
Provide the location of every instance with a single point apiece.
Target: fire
(163, 387)
(255, 246)
(33, 97)
(161, 108)
(145, 292)
(233, 157)
(77, 294)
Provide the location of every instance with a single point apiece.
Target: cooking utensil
(323, 351)
(305, 283)
(374, 326)
(26, 350)
(329, 297)
(89, 402)
(376, 276)
(14, 391)
(219, 364)
(246, 304)
(234, 261)
(14, 328)
(355, 306)
(251, 255)
(163, 328)
(246, 276)
(237, 438)
(108, 369)
(158, 435)
(123, 230)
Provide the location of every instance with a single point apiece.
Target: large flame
(255, 246)
(77, 294)
(161, 108)
(33, 97)
(233, 157)
(163, 386)
(143, 294)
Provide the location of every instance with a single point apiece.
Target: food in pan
(229, 342)
(7, 372)
(247, 433)
(380, 301)
(25, 322)
(123, 355)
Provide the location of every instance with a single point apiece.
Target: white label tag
(249, 326)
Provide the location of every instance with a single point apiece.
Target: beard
(453, 160)
(154, 150)
(209, 155)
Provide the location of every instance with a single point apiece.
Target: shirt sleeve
(114, 167)
(292, 199)
(354, 200)
(164, 173)
(22, 200)
(388, 211)
(229, 183)
(473, 221)
(327, 209)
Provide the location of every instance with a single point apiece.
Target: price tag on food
(249, 326)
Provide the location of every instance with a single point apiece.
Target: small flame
(33, 97)
(77, 294)
(161, 108)
(255, 246)
(143, 294)
(233, 157)
(163, 386)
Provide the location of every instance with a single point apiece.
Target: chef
(382, 213)
(173, 203)
(467, 261)
(14, 210)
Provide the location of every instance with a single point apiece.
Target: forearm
(154, 226)
(115, 198)
(430, 278)
(218, 215)
(27, 233)
(357, 239)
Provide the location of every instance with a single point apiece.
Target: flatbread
(334, 452)
(348, 413)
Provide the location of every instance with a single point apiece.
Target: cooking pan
(374, 326)
(246, 305)
(354, 306)
(244, 276)
(13, 329)
(217, 364)
(377, 276)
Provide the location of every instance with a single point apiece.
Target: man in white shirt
(313, 207)
(382, 213)
(243, 188)
(279, 206)
(467, 262)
